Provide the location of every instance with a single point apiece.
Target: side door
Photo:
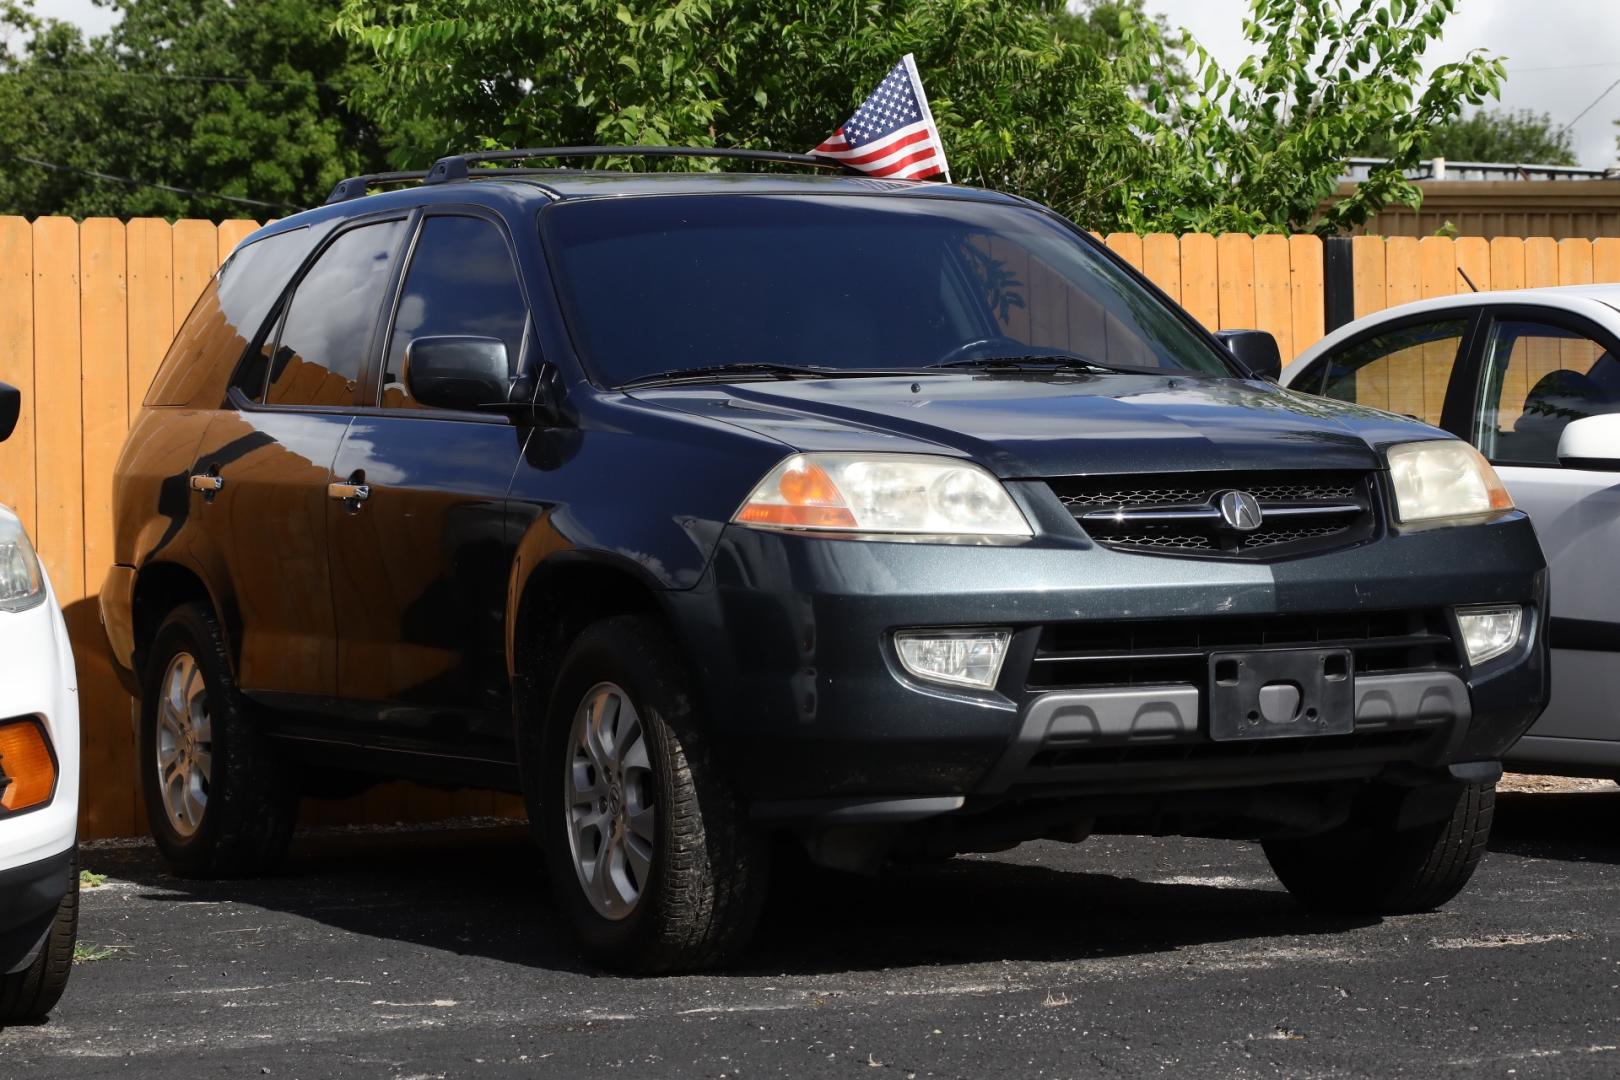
(1411, 366)
(1539, 369)
(260, 480)
(420, 562)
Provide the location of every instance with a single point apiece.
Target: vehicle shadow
(481, 892)
(1576, 826)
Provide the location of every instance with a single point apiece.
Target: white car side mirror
(1592, 442)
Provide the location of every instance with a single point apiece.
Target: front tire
(220, 801)
(29, 995)
(648, 852)
(1374, 868)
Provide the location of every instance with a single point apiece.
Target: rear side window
(229, 314)
(460, 281)
(326, 335)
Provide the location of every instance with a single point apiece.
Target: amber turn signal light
(26, 766)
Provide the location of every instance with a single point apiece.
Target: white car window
(1404, 370)
(1536, 378)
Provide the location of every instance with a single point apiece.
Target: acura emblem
(1240, 511)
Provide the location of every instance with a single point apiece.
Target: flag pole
(928, 114)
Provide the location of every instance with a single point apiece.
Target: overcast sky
(1561, 53)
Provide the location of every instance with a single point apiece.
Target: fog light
(27, 771)
(1488, 632)
(957, 657)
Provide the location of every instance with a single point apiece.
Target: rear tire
(220, 799)
(29, 995)
(1377, 869)
(649, 854)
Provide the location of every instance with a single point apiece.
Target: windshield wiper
(758, 370)
(1030, 362)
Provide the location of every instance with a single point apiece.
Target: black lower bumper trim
(29, 895)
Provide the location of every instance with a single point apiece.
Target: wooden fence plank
(150, 245)
(1235, 255)
(1606, 259)
(1127, 246)
(1473, 259)
(1507, 262)
(58, 450)
(1161, 262)
(1200, 279)
(1575, 262)
(196, 257)
(1540, 262)
(17, 365)
(1305, 288)
(1368, 266)
(1403, 283)
(109, 754)
(1274, 291)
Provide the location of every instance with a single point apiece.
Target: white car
(39, 777)
(1532, 379)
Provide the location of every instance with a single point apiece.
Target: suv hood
(1042, 424)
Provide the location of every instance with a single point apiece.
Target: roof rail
(355, 186)
(454, 167)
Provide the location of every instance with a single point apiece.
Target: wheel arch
(160, 587)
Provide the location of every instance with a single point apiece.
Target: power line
(1590, 107)
(1567, 67)
(110, 73)
(192, 192)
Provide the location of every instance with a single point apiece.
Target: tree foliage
(1022, 107)
(243, 99)
(1260, 149)
(1521, 138)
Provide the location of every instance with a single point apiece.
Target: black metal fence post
(1338, 281)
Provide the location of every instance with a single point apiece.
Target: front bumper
(790, 636)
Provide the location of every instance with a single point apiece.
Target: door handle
(356, 493)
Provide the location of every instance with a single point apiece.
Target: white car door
(1539, 369)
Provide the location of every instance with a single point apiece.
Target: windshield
(661, 284)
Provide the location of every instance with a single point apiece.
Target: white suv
(39, 776)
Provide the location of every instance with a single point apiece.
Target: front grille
(1301, 513)
(1152, 653)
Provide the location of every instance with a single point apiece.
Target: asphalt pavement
(436, 953)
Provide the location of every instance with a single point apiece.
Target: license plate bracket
(1281, 694)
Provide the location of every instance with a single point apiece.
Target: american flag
(893, 132)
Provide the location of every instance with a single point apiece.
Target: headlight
(885, 496)
(1443, 478)
(21, 584)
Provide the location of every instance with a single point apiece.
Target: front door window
(1536, 378)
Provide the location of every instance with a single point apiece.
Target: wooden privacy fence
(87, 311)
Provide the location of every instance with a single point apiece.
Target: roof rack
(454, 167)
(355, 186)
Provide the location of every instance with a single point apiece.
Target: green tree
(240, 99)
(1021, 107)
(1523, 138)
(1260, 148)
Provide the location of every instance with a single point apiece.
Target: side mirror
(458, 372)
(1255, 349)
(1592, 442)
(10, 409)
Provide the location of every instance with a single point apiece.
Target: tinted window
(854, 281)
(461, 281)
(327, 331)
(1537, 378)
(1402, 371)
(231, 311)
